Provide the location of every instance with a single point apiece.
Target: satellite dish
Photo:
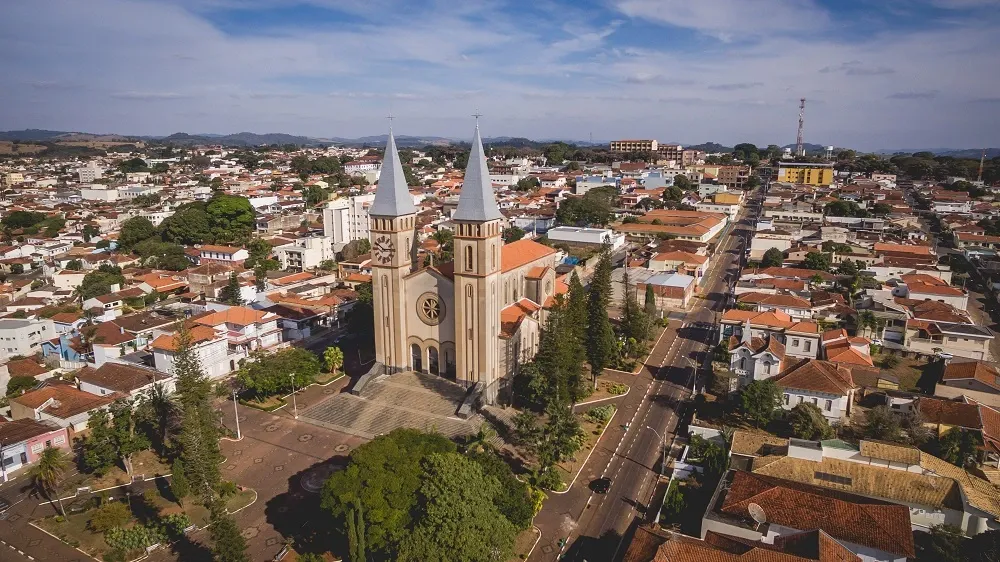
(757, 512)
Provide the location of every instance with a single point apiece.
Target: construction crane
(982, 159)
(799, 149)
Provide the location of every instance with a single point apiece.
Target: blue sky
(876, 74)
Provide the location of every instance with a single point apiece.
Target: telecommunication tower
(799, 149)
(982, 160)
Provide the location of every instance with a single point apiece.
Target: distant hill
(237, 139)
(31, 135)
(973, 153)
(709, 147)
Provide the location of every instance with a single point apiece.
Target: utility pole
(663, 446)
(295, 405)
(236, 412)
(799, 149)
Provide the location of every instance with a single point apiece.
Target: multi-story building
(305, 253)
(24, 337)
(12, 178)
(222, 254)
(347, 219)
(363, 164)
(809, 173)
(89, 173)
(673, 152)
(634, 145)
(734, 176)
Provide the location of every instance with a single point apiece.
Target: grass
(526, 539)
(146, 463)
(604, 391)
(327, 378)
(908, 370)
(74, 530)
(268, 404)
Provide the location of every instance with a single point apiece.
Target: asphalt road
(583, 525)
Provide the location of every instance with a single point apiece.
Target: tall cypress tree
(634, 323)
(199, 431)
(230, 546)
(650, 304)
(600, 335)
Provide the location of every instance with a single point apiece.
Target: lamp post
(3, 465)
(663, 448)
(295, 405)
(236, 412)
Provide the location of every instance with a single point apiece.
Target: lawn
(144, 463)
(908, 370)
(269, 404)
(327, 378)
(606, 390)
(146, 508)
(526, 540)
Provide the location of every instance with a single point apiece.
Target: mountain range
(256, 139)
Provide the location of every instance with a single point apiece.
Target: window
(807, 345)
(468, 258)
(829, 405)
(815, 401)
(60, 440)
(37, 448)
(788, 398)
(799, 401)
(952, 339)
(795, 342)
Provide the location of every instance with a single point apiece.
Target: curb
(32, 523)
(603, 399)
(539, 531)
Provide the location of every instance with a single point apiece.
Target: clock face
(383, 249)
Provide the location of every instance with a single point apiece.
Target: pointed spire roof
(392, 197)
(476, 202)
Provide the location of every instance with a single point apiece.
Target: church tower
(393, 223)
(478, 231)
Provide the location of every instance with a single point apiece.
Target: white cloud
(730, 19)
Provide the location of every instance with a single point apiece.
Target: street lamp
(663, 447)
(3, 465)
(236, 413)
(295, 405)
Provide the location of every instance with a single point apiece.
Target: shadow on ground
(297, 515)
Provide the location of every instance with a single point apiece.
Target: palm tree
(47, 473)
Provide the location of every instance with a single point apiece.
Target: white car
(943, 355)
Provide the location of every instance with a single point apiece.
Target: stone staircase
(406, 399)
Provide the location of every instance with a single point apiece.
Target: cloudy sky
(876, 73)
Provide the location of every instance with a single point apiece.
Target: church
(474, 320)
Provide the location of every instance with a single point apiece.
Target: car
(600, 485)
(877, 341)
(943, 355)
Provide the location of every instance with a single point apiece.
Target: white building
(24, 337)
(135, 190)
(587, 236)
(89, 173)
(346, 219)
(98, 192)
(305, 253)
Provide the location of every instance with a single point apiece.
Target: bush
(173, 525)
(108, 516)
(888, 361)
(227, 489)
(618, 388)
(132, 538)
(549, 479)
(601, 414)
(673, 505)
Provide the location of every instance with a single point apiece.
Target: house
(973, 375)
(801, 339)
(651, 544)
(68, 280)
(24, 440)
(670, 289)
(210, 347)
(873, 529)
(795, 307)
(838, 347)
(828, 386)
(111, 303)
(62, 404)
(753, 359)
(681, 262)
(222, 254)
(123, 379)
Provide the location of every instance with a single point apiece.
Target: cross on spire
(390, 118)
(477, 115)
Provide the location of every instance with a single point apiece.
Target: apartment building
(346, 219)
(222, 254)
(673, 152)
(649, 145)
(808, 173)
(305, 253)
(24, 337)
(734, 176)
(89, 173)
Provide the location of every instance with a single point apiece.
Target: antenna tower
(982, 159)
(799, 149)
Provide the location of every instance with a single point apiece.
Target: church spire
(392, 197)
(476, 202)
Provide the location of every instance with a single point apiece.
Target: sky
(876, 74)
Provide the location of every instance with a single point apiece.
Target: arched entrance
(416, 361)
(432, 360)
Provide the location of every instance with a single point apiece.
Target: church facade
(474, 320)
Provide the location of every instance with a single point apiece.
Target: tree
(759, 400)
(230, 546)
(847, 267)
(457, 517)
(230, 294)
(113, 437)
(515, 503)
(259, 250)
(682, 182)
(601, 338)
(527, 184)
(674, 504)
(89, 232)
(984, 547)
(266, 374)
(135, 230)
(133, 165)
(48, 472)
(198, 439)
(807, 422)
(944, 543)
(110, 515)
(188, 225)
(356, 248)
(772, 258)
(959, 446)
(634, 322)
(230, 217)
(816, 260)
(512, 234)
(649, 304)
(385, 475)
(881, 423)
(99, 453)
(179, 485)
(882, 209)
(17, 385)
(333, 358)
(100, 282)
(156, 413)
(74, 265)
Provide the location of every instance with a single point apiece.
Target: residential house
(62, 404)
(122, 379)
(801, 339)
(222, 254)
(826, 385)
(24, 440)
(795, 307)
(24, 337)
(754, 359)
(652, 544)
(846, 350)
(681, 262)
(973, 375)
(210, 347)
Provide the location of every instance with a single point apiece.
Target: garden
(121, 525)
(264, 378)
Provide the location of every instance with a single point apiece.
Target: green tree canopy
(759, 400)
(512, 234)
(816, 260)
(594, 208)
(772, 258)
(231, 217)
(807, 422)
(100, 282)
(188, 225)
(266, 374)
(881, 423)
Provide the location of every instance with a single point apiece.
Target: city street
(589, 526)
